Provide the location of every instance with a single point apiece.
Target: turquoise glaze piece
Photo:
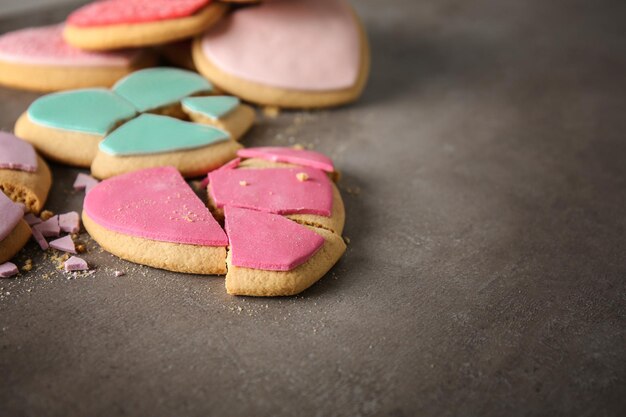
(152, 88)
(151, 133)
(91, 110)
(213, 107)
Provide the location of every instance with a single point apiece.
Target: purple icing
(76, 264)
(10, 215)
(65, 244)
(69, 222)
(43, 243)
(50, 227)
(31, 219)
(84, 182)
(8, 269)
(16, 154)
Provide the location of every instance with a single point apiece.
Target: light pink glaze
(16, 153)
(154, 204)
(289, 155)
(45, 46)
(274, 190)
(65, 244)
(10, 215)
(112, 12)
(8, 269)
(74, 263)
(50, 227)
(299, 44)
(40, 239)
(69, 222)
(268, 241)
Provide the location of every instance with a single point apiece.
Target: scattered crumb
(302, 176)
(119, 273)
(271, 111)
(347, 239)
(28, 265)
(243, 183)
(353, 191)
(80, 248)
(45, 215)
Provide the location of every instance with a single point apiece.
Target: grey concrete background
(485, 274)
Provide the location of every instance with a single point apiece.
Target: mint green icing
(152, 88)
(91, 110)
(151, 133)
(212, 107)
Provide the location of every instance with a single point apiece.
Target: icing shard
(150, 134)
(69, 222)
(10, 215)
(152, 88)
(65, 244)
(273, 190)
(289, 155)
(268, 241)
(154, 204)
(50, 227)
(74, 263)
(8, 269)
(213, 107)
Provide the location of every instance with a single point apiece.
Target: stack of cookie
(274, 217)
(285, 53)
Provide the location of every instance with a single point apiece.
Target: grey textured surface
(485, 274)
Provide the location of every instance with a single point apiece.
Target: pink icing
(45, 46)
(113, 12)
(268, 241)
(16, 154)
(50, 227)
(290, 155)
(154, 204)
(10, 215)
(65, 244)
(69, 222)
(299, 45)
(8, 269)
(31, 219)
(274, 190)
(74, 263)
(40, 239)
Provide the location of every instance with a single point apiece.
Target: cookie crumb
(347, 239)
(243, 183)
(119, 273)
(302, 176)
(271, 111)
(45, 215)
(80, 248)
(28, 265)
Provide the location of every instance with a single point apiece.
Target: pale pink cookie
(24, 176)
(14, 231)
(111, 24)
(300, 53)
(39, 59)
(152, 217)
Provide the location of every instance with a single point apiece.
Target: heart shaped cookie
(300, 53)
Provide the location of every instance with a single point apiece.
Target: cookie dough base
(255, 282)
(15, 241)
(236, 122)
(276, 96)
(29, 188)
(190, 163)
(191, 259)
(45, 78)
(72, 148)
(98, 38)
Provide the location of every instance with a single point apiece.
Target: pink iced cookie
(45, 46)
(268, 241)
(114, 12)
(273, 190)
(304, 45)
(16, 154)
(289, 155)
(154, 204)
(10, 215)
